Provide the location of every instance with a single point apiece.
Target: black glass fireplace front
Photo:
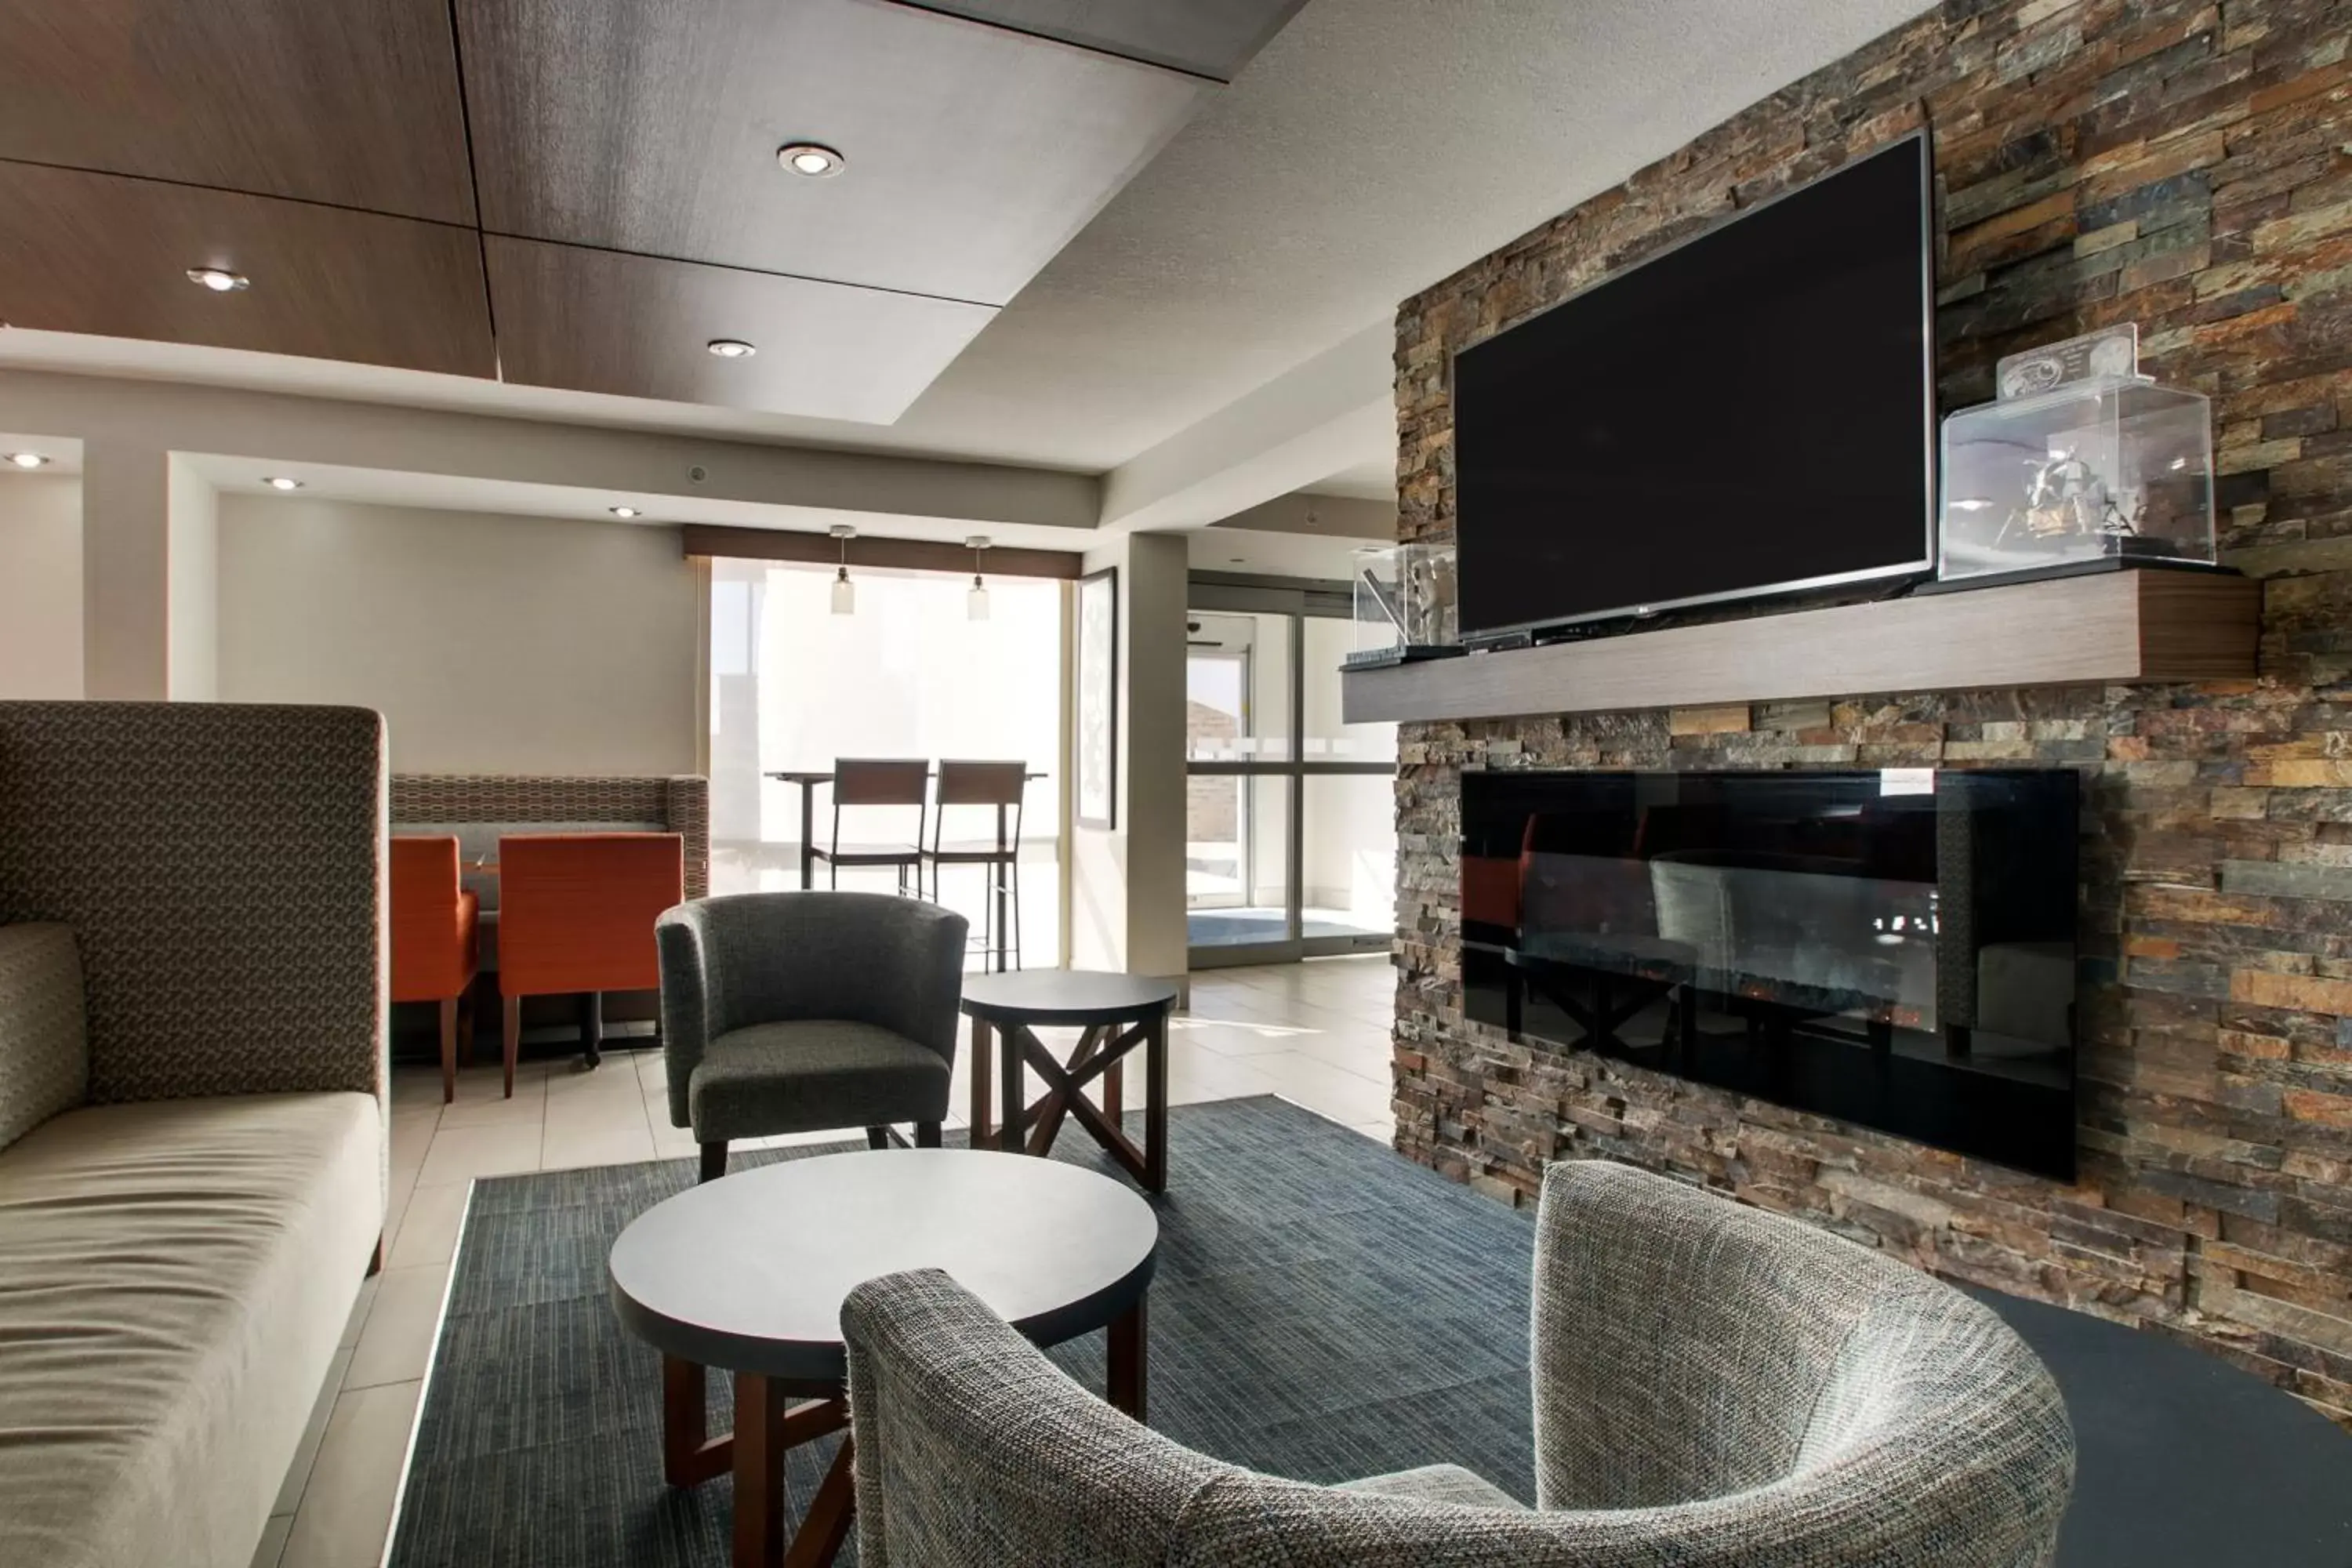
(1893, 948)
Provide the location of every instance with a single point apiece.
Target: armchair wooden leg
(448, 1049)
(878, 1138)
(714, 1160)
(927, 1134)
(513, 1038)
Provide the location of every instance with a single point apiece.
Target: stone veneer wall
(2188, 167)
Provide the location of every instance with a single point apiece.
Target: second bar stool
(1002, 786)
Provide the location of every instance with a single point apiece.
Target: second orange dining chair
(436, 938)
(576, 915)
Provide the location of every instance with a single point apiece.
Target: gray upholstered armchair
(802, 1012)
(1714, 1386)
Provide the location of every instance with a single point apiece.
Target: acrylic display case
(2108, 470)
(1404, 604)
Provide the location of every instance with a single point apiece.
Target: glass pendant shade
(975, 603)
(844, 595)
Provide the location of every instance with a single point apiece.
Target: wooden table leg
(759, 1467)
(1011, 1063)
(690, 1455)
(979, 1071)
(830, 1512)
(1129, 1357)
(1155, 1105)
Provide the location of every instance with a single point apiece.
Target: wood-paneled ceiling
(583, 194)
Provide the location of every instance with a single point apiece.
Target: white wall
(491, 643)
(191, 651)
(40, 585)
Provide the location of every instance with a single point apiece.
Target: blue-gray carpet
(1323, 1309)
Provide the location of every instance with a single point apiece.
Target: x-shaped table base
(1100, 1057)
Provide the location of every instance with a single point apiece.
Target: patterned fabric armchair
(802, 1012)
(1715, 1387)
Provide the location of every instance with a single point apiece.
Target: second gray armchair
(803, 1012)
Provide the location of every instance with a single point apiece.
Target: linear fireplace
(1893, 948)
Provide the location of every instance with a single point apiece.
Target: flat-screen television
(1749, 413)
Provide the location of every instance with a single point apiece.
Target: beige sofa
(191, 1112)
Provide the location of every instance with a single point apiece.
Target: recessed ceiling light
(730, 348)
(281, 482)
(25, 460)
(219, 279)
(811, 159)
(626, 512)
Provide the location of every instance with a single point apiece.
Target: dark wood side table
(748, 1273)
(1116, 1013)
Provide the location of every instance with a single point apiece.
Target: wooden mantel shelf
(2117, 626)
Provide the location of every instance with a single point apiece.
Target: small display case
(2109, 470)
(1404, 604)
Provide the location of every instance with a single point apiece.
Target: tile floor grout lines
(1317, 1034)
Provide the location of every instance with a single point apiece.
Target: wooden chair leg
(714, 1160)
(513, 1032)
(878, 1138)
(448, 1049)
(927, 1134)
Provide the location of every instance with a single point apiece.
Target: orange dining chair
(576, 916)
(436, 938)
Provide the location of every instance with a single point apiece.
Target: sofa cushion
(175, 1277)
(1438, 1483)
(44, 1054)
(810, 1075)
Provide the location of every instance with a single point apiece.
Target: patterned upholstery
(1715, 1386)
(44, 1056)
(732, 966)
(222, 867)
(680, 804)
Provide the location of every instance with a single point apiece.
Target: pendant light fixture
(844, 592)
(975, 603)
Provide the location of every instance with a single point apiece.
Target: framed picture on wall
(1095, 770)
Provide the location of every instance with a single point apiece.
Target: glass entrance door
(1290, 838)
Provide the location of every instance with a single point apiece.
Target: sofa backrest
(222, 867)
(480, 808)
(44, 1055)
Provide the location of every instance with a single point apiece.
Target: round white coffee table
(748, 1273)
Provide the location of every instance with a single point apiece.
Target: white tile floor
(1315, 1033)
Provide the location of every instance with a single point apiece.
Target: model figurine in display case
(2083, 464)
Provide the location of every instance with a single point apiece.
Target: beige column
(126, 521)
(1127, 884)
(149, 586)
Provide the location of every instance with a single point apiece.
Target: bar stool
(875, 782)
(1002, 786)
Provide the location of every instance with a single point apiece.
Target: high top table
(1116, 1013)
(748, 1273)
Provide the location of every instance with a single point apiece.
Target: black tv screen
(1749, 413)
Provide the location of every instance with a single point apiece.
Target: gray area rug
(1323, 1309)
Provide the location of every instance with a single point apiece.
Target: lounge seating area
(1272, 784)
